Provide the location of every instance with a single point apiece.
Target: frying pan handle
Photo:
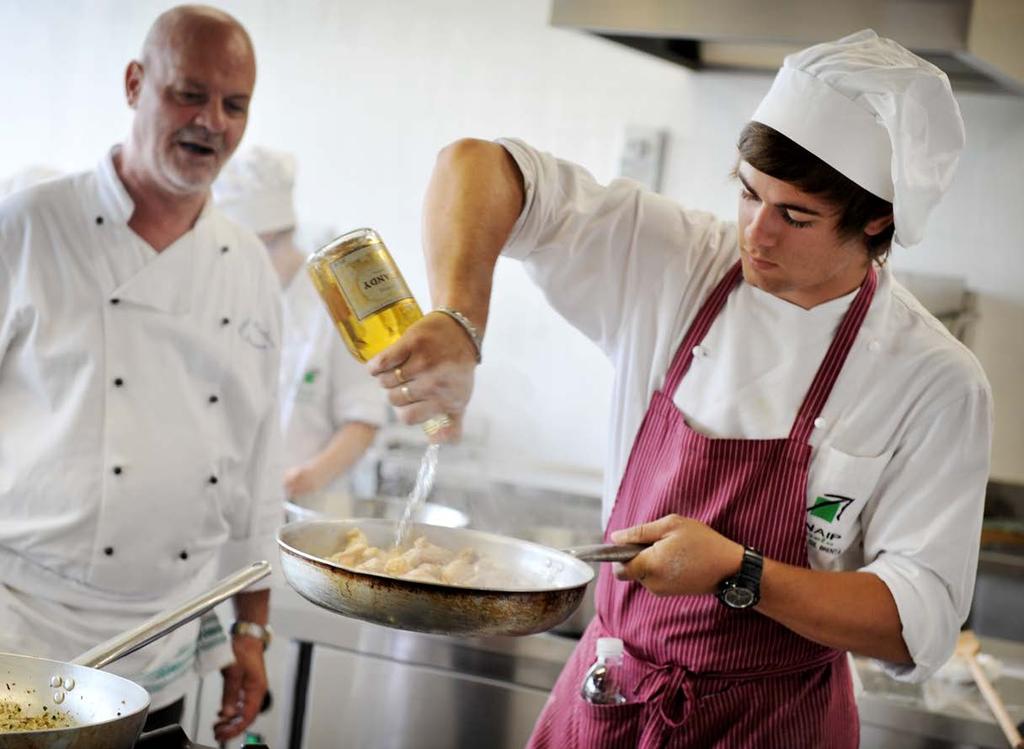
(606, 552)
(167, 621)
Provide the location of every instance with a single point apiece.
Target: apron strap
(832, 365)
(700, 327)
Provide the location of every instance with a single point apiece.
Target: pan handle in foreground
(606, 552)
(166, 621)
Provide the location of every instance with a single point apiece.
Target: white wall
(365, 93)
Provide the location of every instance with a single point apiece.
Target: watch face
(738, 598)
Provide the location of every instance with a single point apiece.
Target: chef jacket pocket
(839, 488)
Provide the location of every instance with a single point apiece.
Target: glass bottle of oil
(367, 298)
(364, 291)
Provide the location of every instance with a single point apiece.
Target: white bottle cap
(610, 647)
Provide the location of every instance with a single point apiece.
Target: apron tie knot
(669, 690)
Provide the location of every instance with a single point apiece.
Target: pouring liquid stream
(418, 495)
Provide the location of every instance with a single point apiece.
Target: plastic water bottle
(603, 683)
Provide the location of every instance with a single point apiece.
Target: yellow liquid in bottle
(364, 292)
(370, 303)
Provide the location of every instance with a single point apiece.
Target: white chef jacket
(901, 450)
(322, 385)
(139, 448)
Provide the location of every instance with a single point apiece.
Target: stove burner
(173, 737)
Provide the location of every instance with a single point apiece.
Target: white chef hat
(255, 189)
(876, 113)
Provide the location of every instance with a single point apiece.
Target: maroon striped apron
(696, 673)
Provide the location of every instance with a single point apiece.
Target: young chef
(139, 335)
(803, 445)
(330, 407)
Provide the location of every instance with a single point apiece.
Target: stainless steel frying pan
(105, 711)
(555, 580)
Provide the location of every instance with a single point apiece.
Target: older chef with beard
(139, 337)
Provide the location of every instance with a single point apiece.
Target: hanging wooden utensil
(967, 647)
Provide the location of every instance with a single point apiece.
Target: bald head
(190, 91)
(187, 26)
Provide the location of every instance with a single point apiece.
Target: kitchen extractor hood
(978, 43)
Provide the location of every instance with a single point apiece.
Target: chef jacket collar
(166, 282)
(115, 202)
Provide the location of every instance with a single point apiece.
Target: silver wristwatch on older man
(251, 629)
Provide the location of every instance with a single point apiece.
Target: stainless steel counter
(447, 692)
(533, 661)
(383, 687)
(940, 710)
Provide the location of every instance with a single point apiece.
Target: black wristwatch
(744, 589)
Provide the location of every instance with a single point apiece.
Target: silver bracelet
(470, 329)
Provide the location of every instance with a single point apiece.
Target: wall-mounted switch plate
(643, 153)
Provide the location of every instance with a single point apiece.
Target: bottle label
(369, 280)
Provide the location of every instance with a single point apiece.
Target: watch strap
(752, 567)
(252, 629)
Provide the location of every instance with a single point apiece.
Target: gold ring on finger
(398, 374)
(434, 425)
(407, 394)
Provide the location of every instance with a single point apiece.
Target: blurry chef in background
(331, 407)
(139, 334)
(802, 445)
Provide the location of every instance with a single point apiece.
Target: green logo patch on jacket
(830, 507)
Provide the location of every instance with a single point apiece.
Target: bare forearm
(473, 200)
(845, 610)
(346, 447)
(252, 606)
